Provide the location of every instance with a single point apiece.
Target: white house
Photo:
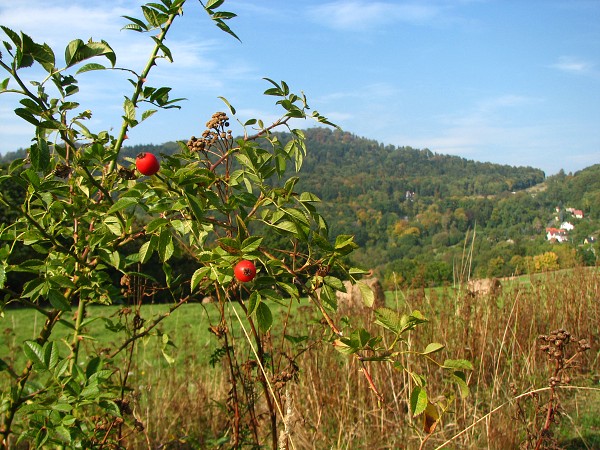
(567, 226)
(555, 234)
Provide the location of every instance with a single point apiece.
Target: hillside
(426, 218)
(414, 212)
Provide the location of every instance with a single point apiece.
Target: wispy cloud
(573, 65)
(353, 15)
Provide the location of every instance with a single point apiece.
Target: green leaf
(155, 224)
(344, 346)
(197, 277)
(58, 300)
(388, 319)
(113, 224)
(231, 108)
(146, 251)
(166, 247)
(2, 274)
(264, 317)
(122, 203)
(90, 66)
(148, 113)
(34, 352)
(334, 283)
(418, 400)
(328, 297)
(212, 4)
(368, 296)
(461, 381)
(344, 244)
(129, 109)
(251, 243)
(287, 226)
(432, 348)
(40, 155)
(78, 51)
(460, 364)
(50, 355)
(196, 207)
(253, 303)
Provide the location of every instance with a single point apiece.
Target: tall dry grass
(331, 406)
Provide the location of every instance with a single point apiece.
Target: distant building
(577, 213)
(567, 226)
(556, 234)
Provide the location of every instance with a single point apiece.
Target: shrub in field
(87, 220)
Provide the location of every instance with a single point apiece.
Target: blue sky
(506, 81)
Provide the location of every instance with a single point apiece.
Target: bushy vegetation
(222, 218)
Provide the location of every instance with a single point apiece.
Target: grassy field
(182, 401)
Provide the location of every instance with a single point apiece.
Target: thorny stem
(138, 89)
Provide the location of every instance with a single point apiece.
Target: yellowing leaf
(431, 418)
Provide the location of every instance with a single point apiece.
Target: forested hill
(413, 212)
(341, 164)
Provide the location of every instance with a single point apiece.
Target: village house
(556, 234)
(567, 226)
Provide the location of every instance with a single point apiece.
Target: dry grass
(330, 405)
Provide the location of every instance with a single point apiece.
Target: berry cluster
(216, 128)
(555, 346)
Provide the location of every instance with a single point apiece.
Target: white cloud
(353, 15)
(573, 65)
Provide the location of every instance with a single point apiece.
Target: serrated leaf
(148, 113)
(264, 317)
(146, 251)
(155, 224)
(2, 274)
(89, 67)
(129, 109)
(50, 355)
(388, 319)
(287, 226)
(344, 346)
(34, 352)
(251, 243)
(231, 108)
(113, 224)
(196, 207)
(418, 400)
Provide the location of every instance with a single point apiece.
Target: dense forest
(423, 218)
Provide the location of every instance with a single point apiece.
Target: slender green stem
(138, 88)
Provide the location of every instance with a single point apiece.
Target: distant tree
(546, 262)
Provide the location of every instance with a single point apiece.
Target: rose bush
(89, 227)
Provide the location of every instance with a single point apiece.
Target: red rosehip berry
(147, 163)
(244, 270)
